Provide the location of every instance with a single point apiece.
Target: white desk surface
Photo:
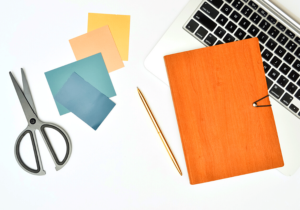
(122, 165)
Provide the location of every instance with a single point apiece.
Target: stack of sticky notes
(84, 87)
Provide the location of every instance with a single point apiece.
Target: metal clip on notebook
(259, 106)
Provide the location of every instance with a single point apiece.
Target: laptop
(204, 23)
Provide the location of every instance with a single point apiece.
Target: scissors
(34, 123)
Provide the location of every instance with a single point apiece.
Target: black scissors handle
(59, 164)
(39, 171)
(31, 131)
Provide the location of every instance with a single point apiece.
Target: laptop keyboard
(222, 21)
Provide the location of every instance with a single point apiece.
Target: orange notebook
(213, 91)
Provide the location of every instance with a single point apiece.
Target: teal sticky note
(85, 101)
(92, 69)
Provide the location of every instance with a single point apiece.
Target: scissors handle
(31, 131)
(59, 164)
(39, 171)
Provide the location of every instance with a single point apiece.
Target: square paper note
(91, 69)
(99, 40)
(85, 101)
(119, 26)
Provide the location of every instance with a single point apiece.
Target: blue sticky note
(92, 69)
(85, 101)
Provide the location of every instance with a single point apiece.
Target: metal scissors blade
(26, 91)
(28, 111)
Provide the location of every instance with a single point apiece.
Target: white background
(122, 165)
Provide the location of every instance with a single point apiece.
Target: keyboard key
(216, 3)
(297, 95)
(282, 81)
(297, 53)
(276, 62)
(282, 39)
(248, 37)
(253, 5)
(264, 25)
(262, 12)
(226, 9)
(219, 42)
(276, 91)
(286, 99)
(220, 32)
(261, 47)
(247, 11)
(228, 38)
(192, 26)
(280, 26)
(273, 32)
(296, 65)
(266, 67)
(237, 4)
(269, 82)
(289, 58)
(246, 1)
(210, 40)
(253, 30)
(209, 10)
(201, 33)
(244, 23)
(267, 55)
(271, 44)
(274, 74)
(271, 19)
(229, 1)
(206, 21)
(291, 88)
(290, 34)
(298, 83)
(222, 20)
(294, 108)
(235, 16)
(280, 51)
(297, 40)
(293, 76)
(255, 18)
(291, 46)
(285, 69)
(231, 27)
(240, 34)
(262, 37)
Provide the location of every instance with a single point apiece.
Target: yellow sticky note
(119, 26)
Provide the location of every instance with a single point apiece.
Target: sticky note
(98, 41)
(91, 69)
(85, 101)
(119, 26)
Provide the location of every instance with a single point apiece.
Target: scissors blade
(29, 113)
(26, 91)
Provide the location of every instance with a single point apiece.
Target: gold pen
(161, 135)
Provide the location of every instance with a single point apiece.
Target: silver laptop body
(205, 23)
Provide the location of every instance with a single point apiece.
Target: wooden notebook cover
(213, 91)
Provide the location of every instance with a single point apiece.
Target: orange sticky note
(98, 41)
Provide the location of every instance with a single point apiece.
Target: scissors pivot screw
(32, 121)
